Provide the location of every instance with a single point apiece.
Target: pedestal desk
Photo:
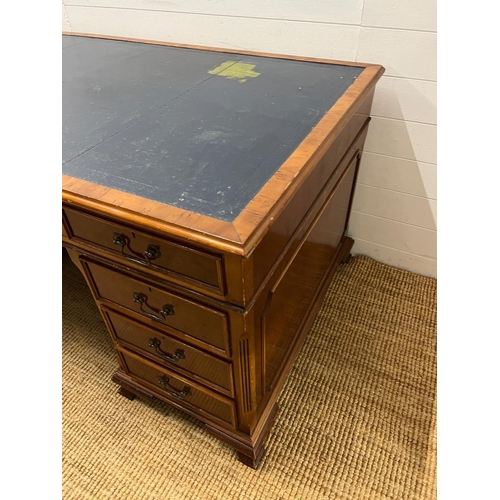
(206, 197)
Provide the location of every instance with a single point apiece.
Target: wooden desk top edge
(242, 235)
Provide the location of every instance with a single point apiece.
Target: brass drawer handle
(151, 253)
(174, 358)
(165, 382)
(166, 310)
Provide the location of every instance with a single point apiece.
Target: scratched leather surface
(199, 130)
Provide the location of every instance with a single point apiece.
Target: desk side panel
(286, 309)
(286, 231)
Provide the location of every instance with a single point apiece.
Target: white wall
(394, 211)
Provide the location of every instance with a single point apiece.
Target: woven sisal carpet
(357, 417)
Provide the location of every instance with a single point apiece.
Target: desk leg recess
(128, 389)
(346, 250)
(251, 452)
(126, 393)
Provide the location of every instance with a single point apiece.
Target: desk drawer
(168, 351)
(179, 263)
(173, 387)
(163, 309)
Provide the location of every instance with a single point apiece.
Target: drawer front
(177, 262)
(173, 387)
(165, 309)
(168, 351)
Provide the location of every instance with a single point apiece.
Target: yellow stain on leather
(235, 71)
